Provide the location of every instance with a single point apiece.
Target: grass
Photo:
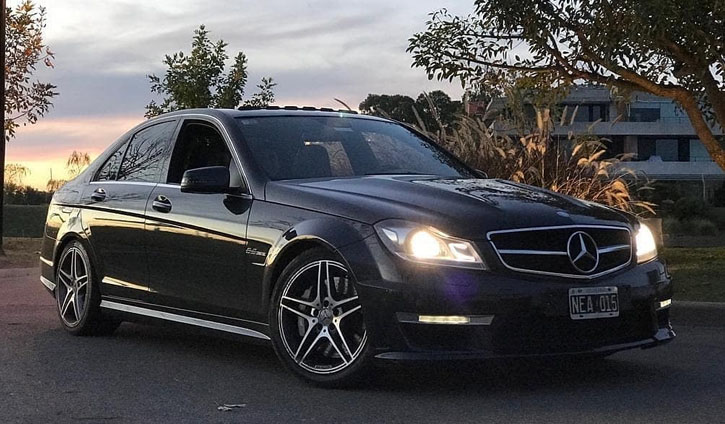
(698, 273)
(24, 220)
(20, 252)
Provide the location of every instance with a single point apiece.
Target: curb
(700, 314)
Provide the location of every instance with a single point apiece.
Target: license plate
(593, 302)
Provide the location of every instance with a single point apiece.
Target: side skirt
(168, 316)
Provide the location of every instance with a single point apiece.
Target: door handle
(98, 195)
(161, 203)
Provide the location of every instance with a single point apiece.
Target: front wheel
(317, 321)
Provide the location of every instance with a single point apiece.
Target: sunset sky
(314, 50)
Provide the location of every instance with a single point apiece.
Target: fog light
(409, 318)
(664, 304)
(443, 319)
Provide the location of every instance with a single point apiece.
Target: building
(654, 130)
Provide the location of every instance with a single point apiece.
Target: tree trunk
(2, 142)
(703, 131)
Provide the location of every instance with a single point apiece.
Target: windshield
(296, 147)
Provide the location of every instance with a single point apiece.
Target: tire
(317, 328)
(77, 295)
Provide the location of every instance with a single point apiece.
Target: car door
(197, 241)
(113, 209)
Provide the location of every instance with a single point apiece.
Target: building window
(641, 114)
(667, 149)
(672, 150)
(589, 112)
(698, 153)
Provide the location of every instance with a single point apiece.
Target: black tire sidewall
(351, 374)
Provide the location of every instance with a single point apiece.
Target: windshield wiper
(402, 172)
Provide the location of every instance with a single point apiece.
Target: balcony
(664, 127)
(660, 170)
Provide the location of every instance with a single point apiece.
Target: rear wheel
(77, 295)
(317, 321)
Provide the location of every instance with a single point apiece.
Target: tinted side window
(199, 145)
(109, 169)
(142, 160)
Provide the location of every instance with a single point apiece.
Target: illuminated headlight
(645, 242)
(425, 244)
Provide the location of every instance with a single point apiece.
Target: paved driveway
(155, 374)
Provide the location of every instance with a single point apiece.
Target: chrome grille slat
(530, 252)
(523, 250)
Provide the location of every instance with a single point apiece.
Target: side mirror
(211, 179)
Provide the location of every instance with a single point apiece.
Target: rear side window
(144, 155)
(110, 168)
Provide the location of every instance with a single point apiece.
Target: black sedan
(343, 239)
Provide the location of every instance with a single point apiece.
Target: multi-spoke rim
(72, 283)
(320, 318)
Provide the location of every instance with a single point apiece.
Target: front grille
(558, 250)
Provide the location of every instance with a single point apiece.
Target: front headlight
(420, 243)
(645, 242)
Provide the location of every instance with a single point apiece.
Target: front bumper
(523, 315)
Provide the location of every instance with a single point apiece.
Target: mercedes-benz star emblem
(582, 251)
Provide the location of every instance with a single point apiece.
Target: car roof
(273, 111)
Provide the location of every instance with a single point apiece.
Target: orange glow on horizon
(44, 147)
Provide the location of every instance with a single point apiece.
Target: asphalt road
(156, 374)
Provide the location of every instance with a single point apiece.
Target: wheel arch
(327, 233)
(66, 239)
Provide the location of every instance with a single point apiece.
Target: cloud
(54, 138)
(314, 49)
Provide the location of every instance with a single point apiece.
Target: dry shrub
(574, 166)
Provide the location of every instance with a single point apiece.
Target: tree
(76, 163)
(197, 80)
(23, 101)
(15, 172)
(396, 106)
(670, 48)
(446, 110)
(404, 109)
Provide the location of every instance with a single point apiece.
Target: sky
(315, 50)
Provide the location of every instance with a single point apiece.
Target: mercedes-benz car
(344, 240)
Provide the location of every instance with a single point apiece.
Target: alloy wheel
(320, 318)
(72, 282)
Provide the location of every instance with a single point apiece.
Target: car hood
(462, 207)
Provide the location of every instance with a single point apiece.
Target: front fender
(332, 233)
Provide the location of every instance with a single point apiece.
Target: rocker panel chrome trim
(182, 319)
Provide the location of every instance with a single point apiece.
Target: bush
(24, 220)
(700, 227)
(576, 166)
(689, 227)
(718, 217)
(689, 208)
(672, 226)
(719, 198)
